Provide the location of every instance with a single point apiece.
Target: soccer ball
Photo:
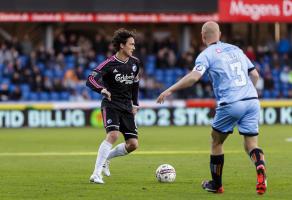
(165, 173)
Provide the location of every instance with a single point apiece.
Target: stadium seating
(54, 68)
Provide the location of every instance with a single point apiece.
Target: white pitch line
(94, 153)
(289, 139)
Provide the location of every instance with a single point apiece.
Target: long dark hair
(121, 36)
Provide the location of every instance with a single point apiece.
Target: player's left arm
(254, 76)
(135, 91)
(252, 72)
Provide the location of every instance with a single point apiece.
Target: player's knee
(112, 136)
(132, 146)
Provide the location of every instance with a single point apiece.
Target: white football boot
(94, 178)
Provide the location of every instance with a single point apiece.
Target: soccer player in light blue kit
(233, 77)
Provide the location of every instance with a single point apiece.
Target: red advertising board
(106, 17)
(255, 10)
(228, 11)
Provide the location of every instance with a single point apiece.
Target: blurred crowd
(31, 72)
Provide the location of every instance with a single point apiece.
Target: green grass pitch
(56, 164)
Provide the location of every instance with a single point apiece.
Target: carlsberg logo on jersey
(125, 78)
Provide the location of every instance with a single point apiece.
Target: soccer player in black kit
(117, 80)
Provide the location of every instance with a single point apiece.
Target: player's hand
(162, 96)
(135, 109)
(106, 94)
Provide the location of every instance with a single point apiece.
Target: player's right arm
(188, 80)
(94, 82)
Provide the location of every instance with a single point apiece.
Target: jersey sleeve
(250, 65)
(201, 63)
(95, 79)
(135, 89)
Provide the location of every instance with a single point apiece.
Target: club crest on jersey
(218, 50)
(134, 68)
(109, 121)
(115, 71)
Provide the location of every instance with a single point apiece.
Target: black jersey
(120, 79)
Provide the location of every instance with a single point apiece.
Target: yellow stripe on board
(12, 106)
(39, 106)
(94, 153)
(43, 106)
(277, 104)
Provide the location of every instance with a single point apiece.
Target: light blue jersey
(227, 67)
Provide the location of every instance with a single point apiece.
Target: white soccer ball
(165, 173)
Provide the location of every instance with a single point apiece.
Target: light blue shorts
(244, 114)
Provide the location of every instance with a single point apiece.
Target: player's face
(129, 47)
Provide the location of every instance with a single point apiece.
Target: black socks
(216, 167)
